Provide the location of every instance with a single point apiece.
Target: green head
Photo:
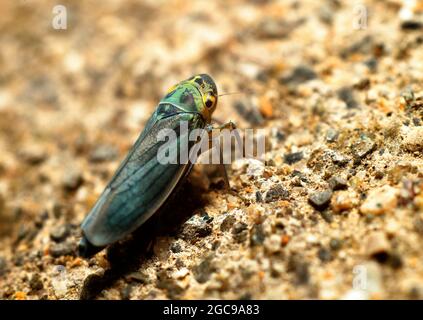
(196, 94)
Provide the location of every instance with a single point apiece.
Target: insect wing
(141, 184)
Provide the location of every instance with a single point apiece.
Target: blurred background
(73, 99)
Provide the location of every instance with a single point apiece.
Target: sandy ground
(336, 209)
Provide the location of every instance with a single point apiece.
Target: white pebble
(380, 200)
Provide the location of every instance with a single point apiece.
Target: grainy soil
(335, 210)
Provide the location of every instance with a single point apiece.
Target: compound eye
(209, 101)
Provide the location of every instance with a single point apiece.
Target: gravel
(277, 192)
(60, 233)
(291, 158)
(62, 249)
(103, 153)
(339, 189)
(320, 200)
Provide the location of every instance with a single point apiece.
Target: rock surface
(338, 195)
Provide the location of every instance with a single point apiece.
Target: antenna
(229, 93)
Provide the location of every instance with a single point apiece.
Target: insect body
(142, 184)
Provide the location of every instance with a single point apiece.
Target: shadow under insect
(128, 255)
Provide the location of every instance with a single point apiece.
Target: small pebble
(346, 94)
(18, 259)
(206, 218)
(408, 95)
(418, 226)
(20, 295)
(411, 25)
(363, 46)
(240, 231)
(335, 244)
(415, 293)
(381, 200)
(377, 244)
(35, 283)
(204, 231)
(103, 153)
(343, 201)
(23, 232)
(320, 200)
(274, 29)
(33, 155)
(176, 247)
(40, 219)
(371, 63)
(249, 112)
(379, 174)
(326, 14)
(364, 147)
(204, 270)
(299, 75)
(197, 226)
(179, 263)
(332, 135)
(413, 141)
(291, 158)
(277, 269)
(395, 261)
(58, 210)
(3, 265)
(273, 243)
(61, 249)
(337, 183)
(259, 196)
(125, 293)
(255, 168)
(339, 159)
(257, 235)
(300, 175)
(180, 274)
(266, 107)
(72, 180)
(300, 269)
(227, 223)
(215, 245)
(363, 84)
(140, 277)
(59, 233)
(276, 193)
(172, 287)
(327, 216)
(324, 255)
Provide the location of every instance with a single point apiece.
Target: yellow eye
(209, 101)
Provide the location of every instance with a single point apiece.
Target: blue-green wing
(141, 184)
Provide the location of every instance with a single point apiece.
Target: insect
(142, 184)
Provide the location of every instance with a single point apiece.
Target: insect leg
(232, 127)
(209, 129)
